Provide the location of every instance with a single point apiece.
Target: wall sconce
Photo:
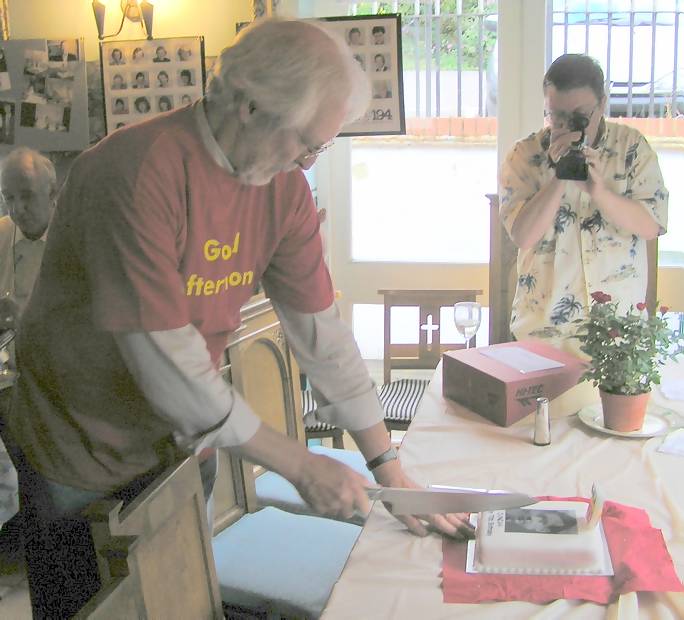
(134, 10)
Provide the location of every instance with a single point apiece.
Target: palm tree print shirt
(582, 252)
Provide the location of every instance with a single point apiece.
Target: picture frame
(43, 95)
(375, 41)
(145, 77)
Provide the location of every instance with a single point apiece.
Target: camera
(573, 165)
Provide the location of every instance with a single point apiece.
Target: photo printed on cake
(533, 521)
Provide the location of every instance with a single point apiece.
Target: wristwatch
(385, 457)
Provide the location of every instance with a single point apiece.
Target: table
(393, 575)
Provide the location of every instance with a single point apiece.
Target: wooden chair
(503, 275)
(260, 365)
(273, 563)
(314, 429)
(154, 555)
(400, 398)
(157, 560)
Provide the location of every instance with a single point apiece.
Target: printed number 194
(381, 115)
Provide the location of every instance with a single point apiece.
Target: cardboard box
(500, 392)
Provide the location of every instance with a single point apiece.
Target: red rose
(663, 309)
(613, 333)
(641, 306)
(600, 297)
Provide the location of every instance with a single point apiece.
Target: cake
(547, 537)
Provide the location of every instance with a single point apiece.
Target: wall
(522, 44)
(215, 19)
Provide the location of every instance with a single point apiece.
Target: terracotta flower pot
(622, 412)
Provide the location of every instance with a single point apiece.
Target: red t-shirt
(150, 233)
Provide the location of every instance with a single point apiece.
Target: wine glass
(467, 316)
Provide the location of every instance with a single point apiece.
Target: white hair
(26, 159)
(275, 65)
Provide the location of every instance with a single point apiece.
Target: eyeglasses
(315, 150)
(561, 118)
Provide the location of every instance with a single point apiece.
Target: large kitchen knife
(441, 500)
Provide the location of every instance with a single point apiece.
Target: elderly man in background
(28, 186)
(578, 236)
(119, 346)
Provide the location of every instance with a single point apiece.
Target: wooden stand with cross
(427, 353)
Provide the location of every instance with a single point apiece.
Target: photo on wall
(6, 122)
(43, 94)
(5, 82)
(375, 43)
(143, 78)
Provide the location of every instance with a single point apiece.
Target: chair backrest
(427, 353)
(154, 555)
(503, 275)
(261, 367)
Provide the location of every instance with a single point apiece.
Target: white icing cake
(547, 537)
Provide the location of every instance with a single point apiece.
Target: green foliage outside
(444, 46)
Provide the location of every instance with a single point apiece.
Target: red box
(500, 392)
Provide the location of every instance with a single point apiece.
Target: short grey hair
(25, 158)
(273, 65)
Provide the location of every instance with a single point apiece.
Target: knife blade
(441, 500)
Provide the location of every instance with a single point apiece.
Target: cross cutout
(429, 327)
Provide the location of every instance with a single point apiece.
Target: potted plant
(626, 353)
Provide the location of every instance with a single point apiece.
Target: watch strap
(381, 459)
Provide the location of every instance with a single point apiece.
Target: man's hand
(561, 141)
(331, 488)
(594, 183)
(455, 525)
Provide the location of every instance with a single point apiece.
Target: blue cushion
(282, 563)
(274, 490)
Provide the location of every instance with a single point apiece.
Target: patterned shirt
(582, 252)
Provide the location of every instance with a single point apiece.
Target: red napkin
(640, 560)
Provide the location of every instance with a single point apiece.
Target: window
(426, 192)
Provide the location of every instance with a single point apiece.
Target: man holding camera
(579, 198)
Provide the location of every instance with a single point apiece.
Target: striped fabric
(308, 406)
(400, 399)
(319, 427)
(308, 402)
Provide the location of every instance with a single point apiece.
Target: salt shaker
(542, 424)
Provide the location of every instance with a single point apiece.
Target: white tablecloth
(392, 574)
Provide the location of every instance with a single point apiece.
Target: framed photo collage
(375, 41)
(43, 96)
(142, 78)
